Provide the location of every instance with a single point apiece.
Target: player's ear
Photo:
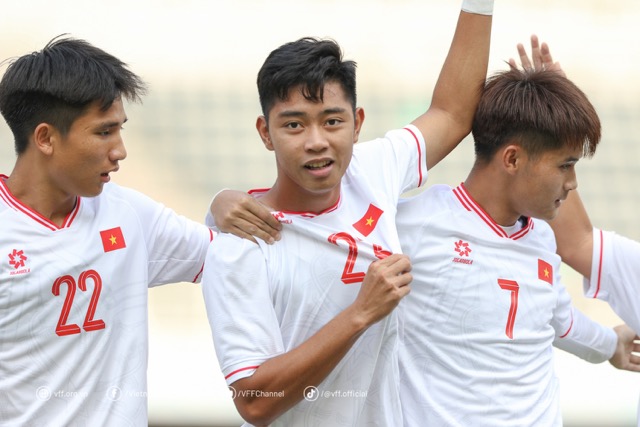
(358, 119)
(263, 130)
(44, 137)
(512, 157)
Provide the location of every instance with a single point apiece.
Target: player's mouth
(318, 165)
(105, 175)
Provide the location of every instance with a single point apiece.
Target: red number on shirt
(62, 328)
(512, 287)
(348, 276)
(90, 324)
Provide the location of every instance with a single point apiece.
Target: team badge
(463, 251)
(17, 260)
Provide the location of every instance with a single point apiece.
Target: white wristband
(481, 7)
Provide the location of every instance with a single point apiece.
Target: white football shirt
(615, 274)
(264, 300)
(485, 307)
(73, 305)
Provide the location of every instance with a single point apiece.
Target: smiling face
(545, 181)
(81, 160)
(313, 144)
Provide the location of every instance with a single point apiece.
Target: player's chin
(93, 191)
(551, 214)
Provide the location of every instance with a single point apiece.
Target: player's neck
(34, 192)
(492, 196)
(282, 199)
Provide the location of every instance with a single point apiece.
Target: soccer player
(487, 303)
(78, 253)
(302, 334)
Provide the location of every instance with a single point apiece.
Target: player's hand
(385, 284)
(626, 355)
(238, 213)
(541, 58)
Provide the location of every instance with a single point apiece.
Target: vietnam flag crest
(545, 271)
(369, 221)
(112, 239)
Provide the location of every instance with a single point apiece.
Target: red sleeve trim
(570, 326)
(595, 295)
(419, 156)
(240, 370)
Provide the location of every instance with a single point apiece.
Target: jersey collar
(11, 201)
(471, 205)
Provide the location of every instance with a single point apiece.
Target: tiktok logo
(311, 393)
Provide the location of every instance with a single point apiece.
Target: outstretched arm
(457, 92)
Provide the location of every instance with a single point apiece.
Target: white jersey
(615, 273)
(73, 305)
(614, 277)
(263, 301)
(485, 307)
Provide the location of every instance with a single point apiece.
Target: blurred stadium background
(195, 134)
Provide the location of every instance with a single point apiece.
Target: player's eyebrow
(112, 123)
(325, 112)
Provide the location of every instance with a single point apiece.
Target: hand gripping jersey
(264, 300)
(73, 305)
(485, 308)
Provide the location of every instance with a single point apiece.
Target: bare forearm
(574, 234)
(385, 284)
(459, 86)
(291, 373)
(463, 74)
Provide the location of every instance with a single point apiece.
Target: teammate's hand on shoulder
(238, 213)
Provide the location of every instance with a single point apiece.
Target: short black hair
(56, 84)
(539, 109)
(309, 63)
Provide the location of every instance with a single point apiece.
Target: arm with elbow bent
(385, 284)
(574, 234)
(457, 92)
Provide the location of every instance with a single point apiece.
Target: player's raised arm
(457, 92)
(574, 234)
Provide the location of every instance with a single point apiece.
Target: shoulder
(114, 194)
(543, 234)
(433, 199)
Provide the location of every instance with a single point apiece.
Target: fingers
(385, 284)
(247, 224)
(535, 53)
(524, 58)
